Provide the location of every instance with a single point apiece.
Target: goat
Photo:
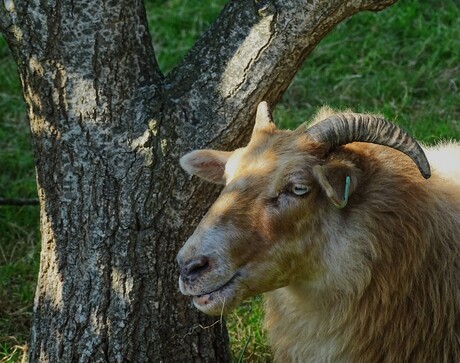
(357, 254)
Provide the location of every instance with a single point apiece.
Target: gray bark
(108, 130)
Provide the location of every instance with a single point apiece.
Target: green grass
(175, 25)
(402, 62)
(247, 337)
(19, 232)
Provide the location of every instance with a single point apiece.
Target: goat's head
(264, 231)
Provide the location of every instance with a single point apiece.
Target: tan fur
(376, 281)
(391, 292)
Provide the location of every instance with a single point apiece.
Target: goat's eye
(300, 189)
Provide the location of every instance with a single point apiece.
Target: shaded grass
(19, 232)
(19, 257)
(402, 63)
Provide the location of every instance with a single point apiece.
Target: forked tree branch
(251, 53)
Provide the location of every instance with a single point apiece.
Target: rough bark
(108, 130)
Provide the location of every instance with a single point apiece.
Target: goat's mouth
(219, 300)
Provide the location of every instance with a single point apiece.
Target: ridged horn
(344, 128)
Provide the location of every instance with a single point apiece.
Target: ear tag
(344, 202)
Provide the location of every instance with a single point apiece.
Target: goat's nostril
(195, 267)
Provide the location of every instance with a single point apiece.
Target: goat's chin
(211, 305)
(222, 300)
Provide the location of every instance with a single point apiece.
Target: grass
(19, 232)
(402, 62)
(247, 338)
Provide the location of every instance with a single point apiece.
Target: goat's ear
(338, 180)
(206, 164)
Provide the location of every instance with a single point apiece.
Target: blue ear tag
(345, 194)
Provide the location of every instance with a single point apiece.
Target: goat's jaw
(218, 300)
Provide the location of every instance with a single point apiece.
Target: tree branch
(251, 53)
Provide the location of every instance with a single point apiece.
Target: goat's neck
(301, 329)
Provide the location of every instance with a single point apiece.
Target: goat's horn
(344, 128)
(264, 118)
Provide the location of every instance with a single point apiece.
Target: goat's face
(259, 235)
(251, 239)
(266, 230)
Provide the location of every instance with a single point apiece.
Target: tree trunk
(108, 129)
